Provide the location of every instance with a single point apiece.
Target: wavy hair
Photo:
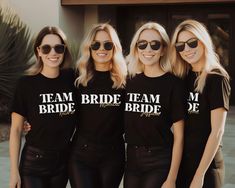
(85, 65)
(38, 65)
(134, 64)
(212, 64)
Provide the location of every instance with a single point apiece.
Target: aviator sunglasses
(106, 44)
(154, 44)
(192, 43)
(46, 48)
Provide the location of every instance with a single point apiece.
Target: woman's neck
(102, 66)
(50, 73)
(153, 70)
(198, 66)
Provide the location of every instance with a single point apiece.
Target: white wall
(35, 13)
(73, 20)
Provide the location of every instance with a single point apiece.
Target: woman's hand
(169, 184)
(15, 181)
(26, 127)
(197, 182)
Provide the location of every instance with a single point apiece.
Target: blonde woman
(45, 97)
(194, 59)
(97, 158)
(154, 112)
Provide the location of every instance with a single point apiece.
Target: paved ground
(228, 149)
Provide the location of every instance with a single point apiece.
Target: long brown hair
(67, 60)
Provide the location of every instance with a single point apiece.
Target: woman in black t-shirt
(154, 112)
(208, 90)
(45, 98)
(97, 158)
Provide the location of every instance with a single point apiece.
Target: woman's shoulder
(68, 73)
(26, 81)
(27, 78)
(173, 78)
(215, 77)
(137, 77)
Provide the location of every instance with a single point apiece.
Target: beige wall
(73, 20)
(36, 14)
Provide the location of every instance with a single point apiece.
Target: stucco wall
(36, 14)
(73, 20)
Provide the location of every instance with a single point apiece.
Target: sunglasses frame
(146, 43)
(104, 43)
(54, 47)
(181, 45)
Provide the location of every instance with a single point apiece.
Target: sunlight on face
(192, 56)
(149, 56)
(102, 55)
(52, 59)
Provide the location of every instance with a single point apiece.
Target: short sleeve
(178, 101)
(218, 90)
(19, 99)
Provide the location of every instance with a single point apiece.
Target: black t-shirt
(49, 106)
(152, 106)
(198, 121)
(100, 110)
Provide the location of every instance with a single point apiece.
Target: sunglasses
(46, 48)
(154, 44)
(106, 44)
(192, 43)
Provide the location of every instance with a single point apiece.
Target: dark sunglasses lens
(155, 44)
(108, 45)
(142, 45)
(45, 49)
(59, 48)
(95, 45)
(192, 43)
(179, 47)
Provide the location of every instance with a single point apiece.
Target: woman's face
(51, 51)
(102, 48)
(150, 47)
(190, 48)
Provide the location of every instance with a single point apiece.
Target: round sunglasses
(46, 48)
(154, 44)
(108, 45)
(192, 43)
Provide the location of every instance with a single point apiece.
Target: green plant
(16, 52)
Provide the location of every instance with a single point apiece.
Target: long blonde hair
(212, 64)
(85, 65)
(38, 65)
(134, 64)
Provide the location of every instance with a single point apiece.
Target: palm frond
(16, 52)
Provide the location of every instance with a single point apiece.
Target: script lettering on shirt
(61, 103)
(104, 100)
(193, 104)
(146, 104)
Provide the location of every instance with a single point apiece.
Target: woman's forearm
(218, 117)
(177, 150)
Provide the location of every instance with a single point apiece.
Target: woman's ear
(163, 51)
(38, 51)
